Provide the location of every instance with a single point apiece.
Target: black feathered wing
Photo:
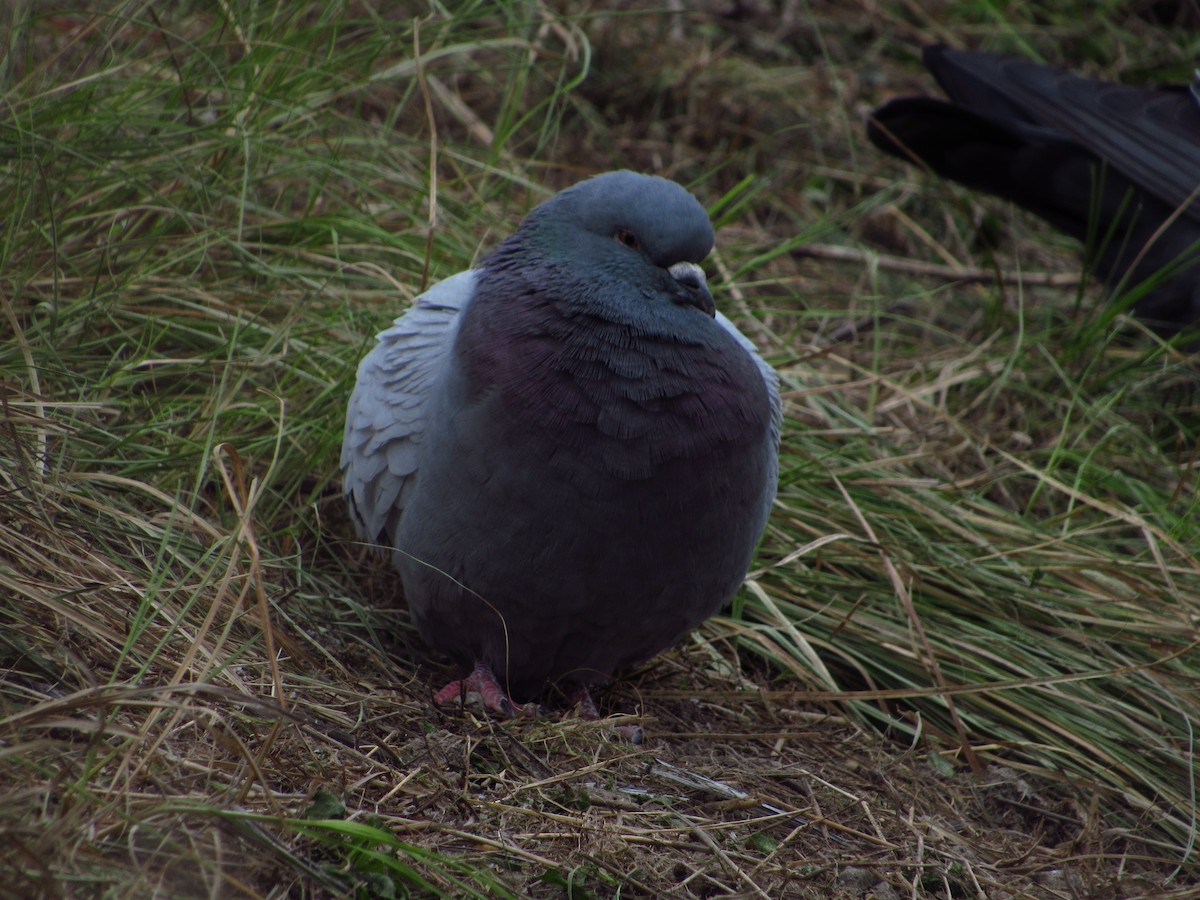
(1106, 163)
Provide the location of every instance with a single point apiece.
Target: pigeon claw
(482, 682)
(589, 713)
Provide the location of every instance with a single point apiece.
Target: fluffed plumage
(570, 454)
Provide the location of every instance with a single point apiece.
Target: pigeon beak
(693, 287)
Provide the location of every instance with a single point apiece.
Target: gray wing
(770, 376)
(771, 379)
(388, 409)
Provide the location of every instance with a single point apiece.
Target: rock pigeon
(568, 451)
(1116, 167)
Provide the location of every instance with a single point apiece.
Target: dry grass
(965, 664)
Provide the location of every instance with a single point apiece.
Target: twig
(723, 857)
(916, 267)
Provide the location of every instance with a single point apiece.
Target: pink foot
(589, 713)
(482, 681)
(587, 706)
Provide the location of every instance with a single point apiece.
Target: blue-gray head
(640, 233)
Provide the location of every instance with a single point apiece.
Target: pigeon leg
(482, 681)
(589, 713)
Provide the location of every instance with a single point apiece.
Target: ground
(963, 664)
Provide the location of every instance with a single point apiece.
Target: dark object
(570, 454)
(1105, 163)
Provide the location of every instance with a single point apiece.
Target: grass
(965, 660)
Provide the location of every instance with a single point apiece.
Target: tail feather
(1115, 166)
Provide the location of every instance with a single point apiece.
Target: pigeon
(1114, 166)
(568, 452)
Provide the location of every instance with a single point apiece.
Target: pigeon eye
(628, 238)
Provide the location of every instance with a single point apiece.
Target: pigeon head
(618, 235)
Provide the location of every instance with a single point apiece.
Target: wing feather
(388, 409)
(770, 376)
(771, 380)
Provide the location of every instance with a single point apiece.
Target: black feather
(1108, 164)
